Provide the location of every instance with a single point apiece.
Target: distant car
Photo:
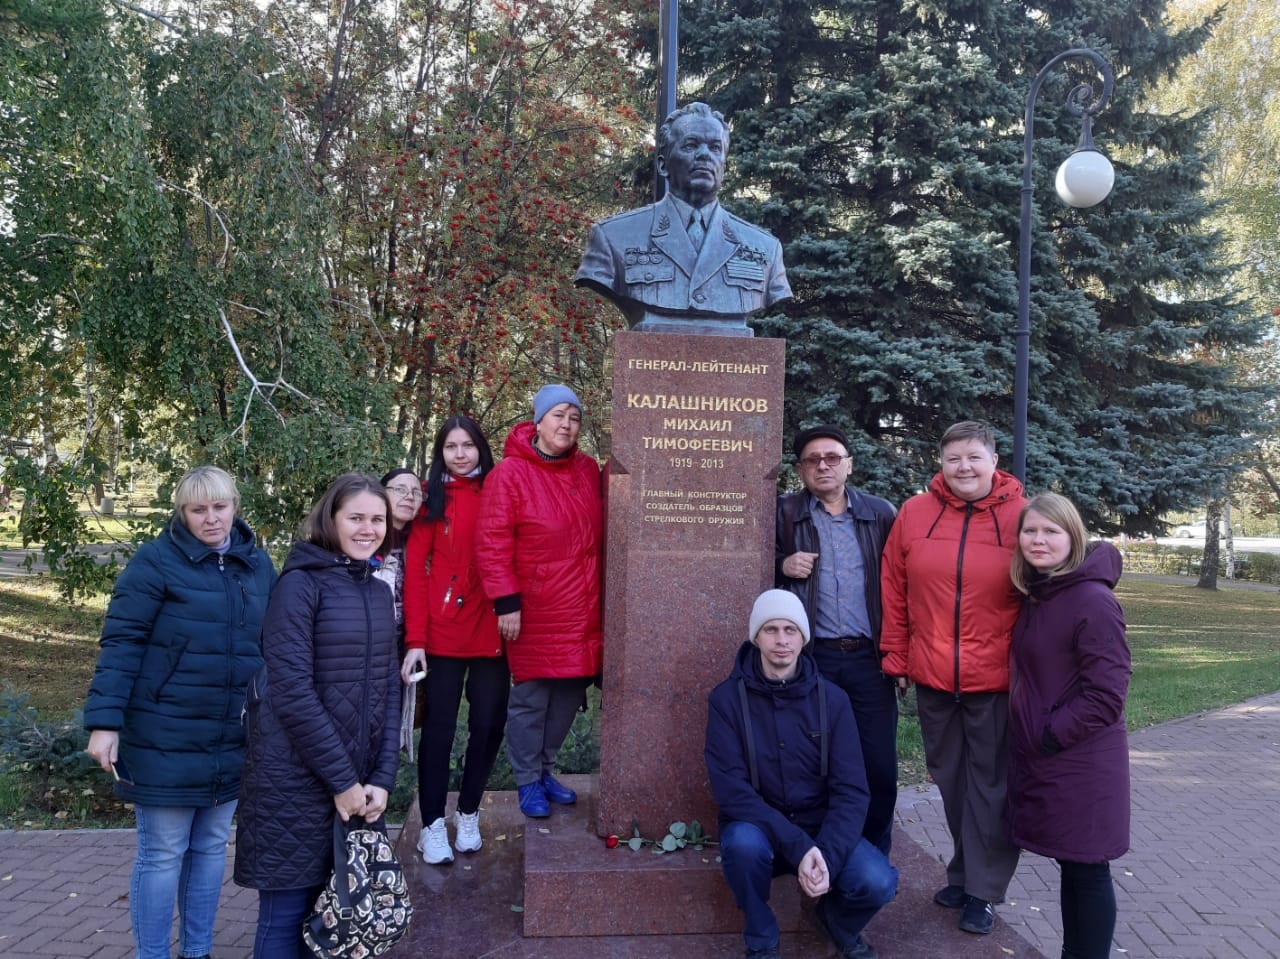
(1196, 530)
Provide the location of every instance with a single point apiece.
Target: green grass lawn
(47, 647)
(1193, 650)
(117, 528)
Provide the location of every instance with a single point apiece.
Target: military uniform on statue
(684, 264)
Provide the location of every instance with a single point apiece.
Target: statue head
(693, 144)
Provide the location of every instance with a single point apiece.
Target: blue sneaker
(557, 791)
(533, 801)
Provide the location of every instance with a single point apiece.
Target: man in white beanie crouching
(786, 770)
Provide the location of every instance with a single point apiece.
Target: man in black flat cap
(827, 552)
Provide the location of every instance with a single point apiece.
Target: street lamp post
(668, 63)
(1084, 179)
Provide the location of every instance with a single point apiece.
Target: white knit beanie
(777, 604)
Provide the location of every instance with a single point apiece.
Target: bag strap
(748, 735)
(822, 719)
(341, 875)
(341, 882)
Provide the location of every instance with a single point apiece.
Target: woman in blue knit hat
(540, 552)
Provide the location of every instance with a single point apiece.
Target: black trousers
(487, 682)
(1088, 899)
(875, 707)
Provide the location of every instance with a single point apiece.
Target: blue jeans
(182, 852)
(860, 886)
(281, 913)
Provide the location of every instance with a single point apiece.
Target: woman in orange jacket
(949, 610)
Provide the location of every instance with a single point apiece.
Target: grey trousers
(539, 714)
(967, 752)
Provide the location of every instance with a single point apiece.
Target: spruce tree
(882, 141)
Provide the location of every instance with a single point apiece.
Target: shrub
(1263, 568)
(47, 777)
(1186, 561)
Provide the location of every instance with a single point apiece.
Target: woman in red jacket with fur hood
(949, 609)
(451, 632)
(540, 550)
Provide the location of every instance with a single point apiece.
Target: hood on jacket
(1102, 563)
(519, 443)
(1004, 487)
(746, 666)
(243, 542)
(308, 556)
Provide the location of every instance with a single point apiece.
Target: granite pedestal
(475, 907)
(696, 446)
(697, 442)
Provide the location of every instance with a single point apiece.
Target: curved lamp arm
(1084, 179)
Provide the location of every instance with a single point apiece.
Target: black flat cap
(804, 437)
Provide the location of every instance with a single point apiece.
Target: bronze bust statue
(684, 264)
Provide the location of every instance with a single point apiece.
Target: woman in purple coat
(1069, 754)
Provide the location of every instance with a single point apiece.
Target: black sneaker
(979, 916)
(769, 952)
(858, 949)
(951, 897)
(861, 949)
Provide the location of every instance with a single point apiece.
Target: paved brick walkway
(1202, 879)
(1200, 883)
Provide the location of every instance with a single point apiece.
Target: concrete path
(1200, 882)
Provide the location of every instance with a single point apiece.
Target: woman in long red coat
(540, 549)
(1069, 752)
(451, 632)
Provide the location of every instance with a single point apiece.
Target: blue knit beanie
(553, 394)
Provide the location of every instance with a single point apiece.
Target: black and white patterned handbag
(365, 908)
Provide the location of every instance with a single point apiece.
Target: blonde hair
(1060, 511)
(205, 483)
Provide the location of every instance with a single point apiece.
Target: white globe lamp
(1085, 178)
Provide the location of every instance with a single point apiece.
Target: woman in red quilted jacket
(451, 632)
(540, 550)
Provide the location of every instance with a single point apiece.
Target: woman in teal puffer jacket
(182, 638)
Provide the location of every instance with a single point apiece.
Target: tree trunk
(1229, 542)
(1209, 565)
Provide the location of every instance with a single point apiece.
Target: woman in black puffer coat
(324, 741)
(181, 640)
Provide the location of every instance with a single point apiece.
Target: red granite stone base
(474, 908)
(574, 885)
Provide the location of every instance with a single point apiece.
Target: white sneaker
(468, 827)
(434, 844)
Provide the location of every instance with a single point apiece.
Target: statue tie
(697, 230)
